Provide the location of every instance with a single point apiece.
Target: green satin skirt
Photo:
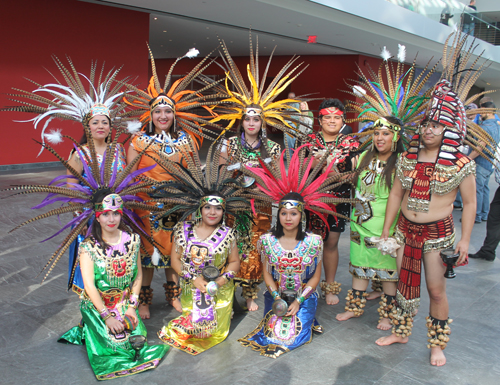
(112, 356)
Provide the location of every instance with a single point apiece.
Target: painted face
(331, 124)
(431, 134)
(99, 127)
(252, 125)
(383, 140)
(163, 117)
(109, 221)
(290, 218)
(211, 215)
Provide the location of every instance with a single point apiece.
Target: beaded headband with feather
(191, 188)
(392, 91)
(254, 100)
(83, 192)
(180, 99)
(274, 182)
(72, 101)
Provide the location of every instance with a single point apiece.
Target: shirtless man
(428, 178)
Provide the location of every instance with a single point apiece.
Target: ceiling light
(164, 31)
(156, 18)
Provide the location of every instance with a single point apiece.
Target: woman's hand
(221, 281)
(293, 308)
(132, 315)
(114, 325)
(200, 284)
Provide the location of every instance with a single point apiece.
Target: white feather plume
(386, 55)
(359, 91)
(401, 53)
(193, 52)
(133, 126)
(155, 258)
(54, 136)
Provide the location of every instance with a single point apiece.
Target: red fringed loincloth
(419, 238)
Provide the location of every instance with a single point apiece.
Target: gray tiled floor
(33, 316)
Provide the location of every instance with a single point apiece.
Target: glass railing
(456, 15)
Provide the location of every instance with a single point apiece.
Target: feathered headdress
(192, 188)
(81, 193)
(176, 96)
(254, 100)
(392, 91)
(448, 98)
(274, 182)
(72, 101)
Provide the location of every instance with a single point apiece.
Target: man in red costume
(429, 175)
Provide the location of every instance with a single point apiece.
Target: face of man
(291, 95)
(431, 134)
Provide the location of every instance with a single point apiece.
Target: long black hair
(278, 230)
(391, 162)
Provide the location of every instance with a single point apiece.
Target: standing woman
(205, 255)
(95, 109)
(99, 123)
(291, 256)
(342, 150)
(256, 109)
(167, 125)
(367, 219)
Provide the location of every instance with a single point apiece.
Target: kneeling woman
(291, 257)
(292, 270)
(203, 247)
(110, 266)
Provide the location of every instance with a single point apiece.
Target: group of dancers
(150, 203)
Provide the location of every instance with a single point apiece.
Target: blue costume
(75, 280)
(290, 269)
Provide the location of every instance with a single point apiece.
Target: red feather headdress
(274, 182)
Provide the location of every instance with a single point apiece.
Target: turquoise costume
(111, 356)
(290, 269)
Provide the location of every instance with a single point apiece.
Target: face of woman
(211, 215)
(383, 141)
(252, 125)
(99, 127)
(109, 221)
(163, 118)
(290, 218)
(331, 124)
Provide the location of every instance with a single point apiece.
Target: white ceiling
(287, 24)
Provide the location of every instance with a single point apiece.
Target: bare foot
(144, 311)
(252, 305)
(374, 295)
(392, 339)
(332, 299)
(345, 316)
(437, 356)
(384, 324)
(176, 303)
